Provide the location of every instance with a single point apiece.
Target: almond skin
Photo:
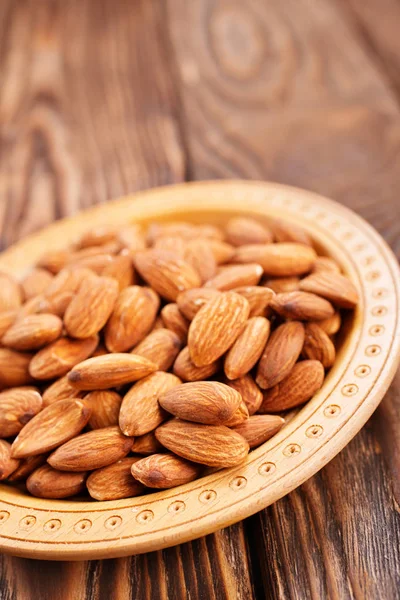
(190, 302)
(97, 236)
(240, 415)
(185, 368)
(7, 318)
(47, 482)
(132, 318)
(249, 390)
(27, 466)
(175, 321)
(164, 471)
(96, 263)
(91, 307)
(92, 450)
(50, 428)
(140, 410)
(280, 354)
(334, 287)
(211, 445)
(236, 276)
(36, 282)
(248, 348)
(67, 280)
(174, 244)
(132, 239)
(166, 273)
(54, 260)
(110, 370)
(10, 292)
(222, 251)
(8, 464)
(14, 368)
(244, 230)
(258, 298)
(33, 332)
(201, 257)
(115, 481)
(283, 284)
(161, 347)
(284, 231)
(60, 390)
(318, 346)
(17, 407)
(121, 269)
(332, 324)
(208, 402)
(278, 260)
(104, 406)
(216, 326)
(325, 263)
(59, 357)
(304, 380)
(258, 429)
(303, 306)
(146, 444)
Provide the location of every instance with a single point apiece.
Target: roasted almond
(284, 231)
(327, 264)
(36, 282)
(208, 402)
(318, 345)
(174, 320)
(190, 302)
(14, 368)
(164, 471)
(303, 381)
(132, 238)
(8, 464)
(258, 298)
(280, 285)
(199, 254)
(247, 348)
(115, 481)
(60, 390)
(47, 482)
(240, 415)
(334, 287)
(92, 450)
(110, 370)
(33, 332)
(259, 428)
(278, 260)
(54, 260)
(17, 407)
(175, 244)
(182, 229)
(303, 306)
(185, 368)
(244, 230)
(211, 445)
(249, 390)
(140, 410)
(96, 263)
(56, 306)
(10, 292)
(104, 406)
(146, 444)
(121, 269)
(216, 326)
(222, 251)
(67, 280)
(132, 318)
(331, 325)
(58, 358)
(97, 236)
(161, 347)
(236, 276)
(53, 426)
(27, 466)
(7, 318)
(280, 354)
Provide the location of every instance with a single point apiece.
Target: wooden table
(98, 99)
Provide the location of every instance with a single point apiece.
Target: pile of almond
(141, 359)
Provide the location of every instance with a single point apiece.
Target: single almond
(36, 282)
(185, 368)
(7, 318)
(280, 354)
(247, 348)
(200, 256)
(32, 307)
(50, 428)
(259, 428)
(33, 332)
(104, 406)
(146, 444)
(67, 280)
(334, 287)
(110, 370)
(14, 368)
(249, 390)
(211, 445)
(244, 230)
(240, 415)
(222, 251)
(210, 232)
(303, 381)
(121, 269)
(92, 450)
(8, 464)
(216, 326)
(97, 236)
(17, 407)
(258, 298)
(132, 238)
(47, 482)
(190, 302)
(174, 320)
(164, 471)
(278, 260)
(285, 231)
(58, 358)
(303, 306)
(132, 318)
(332, 324)
(54, 260)
(236, 276)
(115, 481)
(91, 306)
(327, 264)
(166, 273)
(283, 284)
(208, 402)
(161, 347)
(10, 292)
(27, 466)
(60, 390)
(182, 229)
(140, 410)
(175, 244)
(96, 263)
(57, 305)
(318, 345)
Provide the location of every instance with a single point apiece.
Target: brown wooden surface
(98, 99)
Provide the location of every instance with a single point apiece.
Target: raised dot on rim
(52, 525)
(4, 514)
(238, 483)
(350, 389)
(373, 276)
(373, 350)
(207, 496)
(27, 522)
(82, 526)
(379, 311)
(333, 410)
(380, 293)
(176, 507)
(376, 330)
(368, 261)
(347, 236)
(266, 468)
(113, 522)
(362, 370)
(145, 516)
(314, 431)
(292, 450)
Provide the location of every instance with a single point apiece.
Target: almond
(115, 481)
(201, 257)
(236, 276)
(27, 466)
(67, 280)
(208, 402)
(33, 306)
(284, 231)
(175, 244)
(247, 348)
(211, 445)
(132, 318)
(111, 370)
(7, 318)
(175, 321)
(182, 229)
(47, 482)
(132, 238)
(59, 390)
(244, 230)
(280, 354)
(325, 263)
(303, 381)
(258, 429)
(140, 410)
(121, 269)
(334, 287)
(283, 284)
(10, 292)
(36, 282)
(17, 406)
(146, 444)
(216, 326)
(161, 347)
(56, 306)
(53, 426)
(14, 368)
(97, 236)
(185, 368)
(58, 358)
(54, 260)
(33, 332)
(8, 464)
(331, 325)
(302, 305)
(92, 450)
(91, 306)
(318, 346)
(249, 390)
(222, 251)
(211, 232)
(257, 297)
(190, 302)
(104, 407)
(278, 260)
(166, 273)
(239, 416)
(96, 263)
(164, 471)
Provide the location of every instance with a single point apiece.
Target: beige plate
(57, 529)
